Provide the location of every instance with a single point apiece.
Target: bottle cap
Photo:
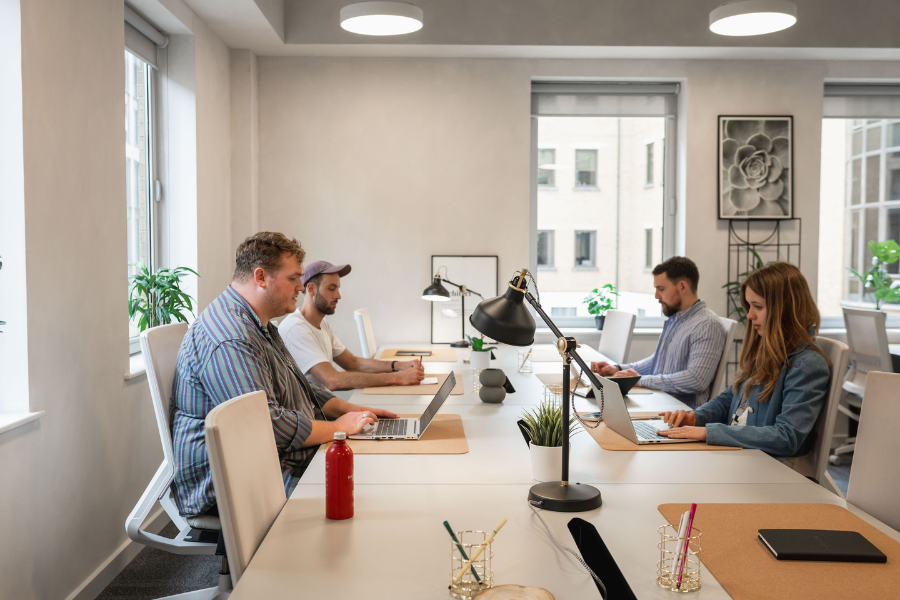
(340, 435)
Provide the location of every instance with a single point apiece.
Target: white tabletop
(395, 546)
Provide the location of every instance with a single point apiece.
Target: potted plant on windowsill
(481, 354)
(542, 428)
(877, 278)
(157, 299)
(599, 301)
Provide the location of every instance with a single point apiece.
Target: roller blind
(861, 101)
(140, 45)
(604, 99)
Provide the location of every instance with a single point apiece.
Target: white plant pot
(546, 462)
(481, 360)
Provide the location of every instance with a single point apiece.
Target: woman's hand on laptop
(689, 433)
(679, 418)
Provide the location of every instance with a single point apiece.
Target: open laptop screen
(439, 398)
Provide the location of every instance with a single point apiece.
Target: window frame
(648, 249)
(586, 186)
(650, 178)
(592, 250)
(551, 173)
(151, 105)
(551, 251)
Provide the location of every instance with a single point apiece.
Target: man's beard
(669, 310)
(323, 306)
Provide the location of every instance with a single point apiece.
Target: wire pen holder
(524, 360)
(469, 585)
(671, 559)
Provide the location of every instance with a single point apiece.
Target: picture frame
(755, 157)
(477, 272)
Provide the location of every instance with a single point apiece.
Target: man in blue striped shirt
(233, 348)
(692, 340)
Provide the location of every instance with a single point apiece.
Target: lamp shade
(505, 318)
(436, 292)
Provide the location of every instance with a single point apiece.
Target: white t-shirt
(307, 344)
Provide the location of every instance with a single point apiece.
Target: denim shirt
(781, 426)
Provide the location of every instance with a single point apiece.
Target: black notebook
(817, 544)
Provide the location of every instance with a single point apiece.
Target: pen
(690, 525)
(479, 551)
(461, 551)
(525, 360)
(682, 526)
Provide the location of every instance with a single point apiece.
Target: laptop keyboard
(645, 431)
(391, 427)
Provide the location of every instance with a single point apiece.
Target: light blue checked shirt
(687, 356)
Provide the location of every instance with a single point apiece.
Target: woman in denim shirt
(783, 379)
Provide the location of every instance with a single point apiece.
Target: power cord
(531, 505)
(572, 400)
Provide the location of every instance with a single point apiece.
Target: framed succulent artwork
(756, 167)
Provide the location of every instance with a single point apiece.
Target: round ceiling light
(752, 17)
(381, 18)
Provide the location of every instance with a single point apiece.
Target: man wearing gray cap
(313, 345)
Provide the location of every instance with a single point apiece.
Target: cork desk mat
(417, 390)
(610, 440)
(437, 354)
(445, 435)
(731, 550)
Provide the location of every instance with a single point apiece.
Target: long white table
(396, 547)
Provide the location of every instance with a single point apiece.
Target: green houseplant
(481, 354)
(157, 298)
(877, 278)
(599, 301)
(734, 288)
(543, 426)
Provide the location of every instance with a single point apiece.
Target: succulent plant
(756, 167)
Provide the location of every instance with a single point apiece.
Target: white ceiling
(826, 29)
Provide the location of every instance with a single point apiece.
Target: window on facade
(650, 163)
(547, 177)
(138, 169)
(585, 248)
(860, 203)
(585, 168)
(545, 250)
(648, 243)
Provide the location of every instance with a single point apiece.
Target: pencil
(461, 551)
(479, 551)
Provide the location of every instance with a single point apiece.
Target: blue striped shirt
(227, 352)
(687, 356)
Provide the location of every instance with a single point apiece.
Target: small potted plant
(543, 426)
(481, 354)
(157, 298)
(599, 301)
(877, 278)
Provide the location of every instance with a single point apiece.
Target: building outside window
(545, 250)
(547, 177)
(139, 157)
(585, 249)
(585, 168)
(650, 163)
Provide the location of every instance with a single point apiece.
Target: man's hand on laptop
(604, 368)
(352, 422)
(679, 418)
(627, 373)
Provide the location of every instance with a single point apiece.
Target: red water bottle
(339, 479)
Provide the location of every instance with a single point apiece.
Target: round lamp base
(460, 344)
(555, 496)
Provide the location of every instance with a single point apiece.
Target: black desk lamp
(507, 319)
(438, 293)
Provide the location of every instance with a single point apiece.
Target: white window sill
(135, 367)
(10, 421)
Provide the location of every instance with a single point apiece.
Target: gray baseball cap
(323, 266)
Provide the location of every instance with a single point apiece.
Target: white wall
(68, 480)
(244, 145)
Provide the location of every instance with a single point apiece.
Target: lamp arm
(456, 285)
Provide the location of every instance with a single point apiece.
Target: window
(648, 242)
(545, 250)
(547, 176)
(650, 163)
(563, 311)
(139, 171)
(585, 249)
(585, 168)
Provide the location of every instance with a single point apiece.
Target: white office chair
(246, 474)
(159, 346)
(874, 477)
(615, 341)
(815, 464)
(869, 351)
(718, 383)
(366, 336)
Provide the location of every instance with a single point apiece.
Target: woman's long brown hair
(790, 312)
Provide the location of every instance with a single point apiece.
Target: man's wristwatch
(393, 370)
(618, 367)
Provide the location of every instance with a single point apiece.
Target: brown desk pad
(417, 390)
(555, 379)
(731, 551)
(445, 435)
(437, 354)
(610, 440)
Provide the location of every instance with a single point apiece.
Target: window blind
(604, 99)
(861, 101)
(141, 38)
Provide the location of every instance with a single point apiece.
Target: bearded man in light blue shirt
(692, 340)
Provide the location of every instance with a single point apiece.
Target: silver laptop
(616, 417)
(409, 429)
